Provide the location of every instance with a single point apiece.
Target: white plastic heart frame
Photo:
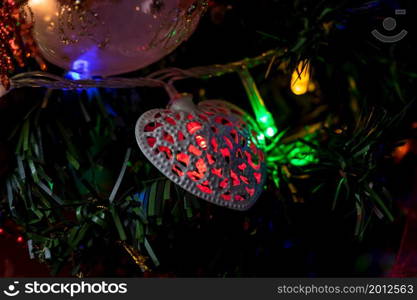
(208, 150)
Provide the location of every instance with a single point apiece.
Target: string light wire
(164, 78)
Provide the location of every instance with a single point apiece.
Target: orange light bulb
(300, 79)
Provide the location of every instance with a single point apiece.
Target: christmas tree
(208, 138)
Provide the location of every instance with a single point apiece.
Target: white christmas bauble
(108, 37)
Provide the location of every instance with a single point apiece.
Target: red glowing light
(244, 179)
(250, 161)
(168, 138)
(250, 191)
(239, 198)
(235, 179)
(257, 177)
(151, 126)
(226, 154)
(183, 158)
(180, 136)
(201, 166)
(401, 151)
(151, 141)
(228, 142)
(214, 144)
(170, 121)
(166, 150)
(204, 189)
(194, 150)
(203, 117)
(201, 141)
(242, 166)
(224, 183)
(176, 169)
(194, 176)
(19, 239)
(193, 127)
(210, 159)
(226, 197)
(217, 172)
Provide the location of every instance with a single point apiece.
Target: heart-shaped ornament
(210, 150)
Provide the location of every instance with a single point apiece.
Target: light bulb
(300, 79)
(270, 131)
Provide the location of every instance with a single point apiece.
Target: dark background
(277, 237)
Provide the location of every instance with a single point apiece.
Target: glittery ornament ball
(107, 37)
(16, 42)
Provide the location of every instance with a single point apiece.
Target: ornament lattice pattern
(210, 151)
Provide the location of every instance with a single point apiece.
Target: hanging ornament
(301, 79)
(263, 116)
(16, 42)
(207, 149)
(112, 37)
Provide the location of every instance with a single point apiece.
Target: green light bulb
(261, 137)
(263, 119)
(270, 132)
(263, 116)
